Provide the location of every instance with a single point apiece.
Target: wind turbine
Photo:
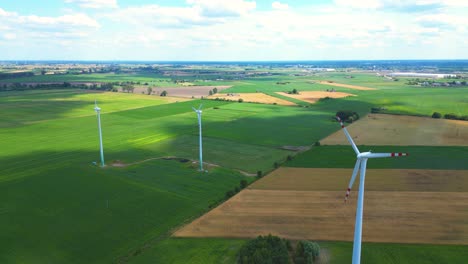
(98, 112)
(361, 164)
(199, 112)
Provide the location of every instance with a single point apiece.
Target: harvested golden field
(381, 129)
(409, 217)
(252, 98)
(314, 96)
(297, 203)
(403, 180)
(356, 87)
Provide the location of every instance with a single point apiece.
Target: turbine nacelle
(96, 108)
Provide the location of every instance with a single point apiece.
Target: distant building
(420, 75)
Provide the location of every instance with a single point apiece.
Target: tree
(294, 91)
(436, 115)
(263, 250)
(149, 90)
(210, 92)
(306, 252)
(347, 115)
(215, 90)
(240, 100)
(243, 184)
(164, 93)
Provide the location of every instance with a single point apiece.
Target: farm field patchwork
(181, 91)
(129, 212)
(403, 216)
(252, 98)
(357, 87)
(382, 129)
(314, 96)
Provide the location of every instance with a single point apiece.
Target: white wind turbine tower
(199, 112)
(361, 164)
(98, 112)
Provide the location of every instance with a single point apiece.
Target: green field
(49, 187)
(209, 250)
(421, 157)
(56, 207)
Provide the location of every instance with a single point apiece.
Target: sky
(233, 30)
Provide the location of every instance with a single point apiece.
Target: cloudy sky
(230, 30)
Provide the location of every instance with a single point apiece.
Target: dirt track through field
(356, 87)
(314, 96)
(253, 98)
(381, 129)
(297, 203)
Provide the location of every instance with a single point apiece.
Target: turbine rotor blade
(353, 178)
(348, 136)
(200, 106)
(194, 109)
(384, 155)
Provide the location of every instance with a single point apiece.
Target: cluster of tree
(282, 83)
(347, 116)
(294, 91)
(12, 75)
(265, 250)
(242, 185)
(49, 86)
(324, 99)
(427, 82)
(272, 249)
(214, 91)
(128, 88)
(376, 110)
(450, 116)
(306, 252)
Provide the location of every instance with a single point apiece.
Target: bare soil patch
(186, 91)
(252, 98)
(350, 86)
(399, 217)
(314, 96)
(382, 129)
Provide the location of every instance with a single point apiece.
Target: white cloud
(393, 5)
(65, 21)
(222, 8)
(9, 36)
(163, 17)
(94, 3)
(279, 6)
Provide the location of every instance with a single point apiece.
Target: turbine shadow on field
(81, 211)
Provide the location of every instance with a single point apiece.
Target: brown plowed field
(381, 129)
(356, 87)
(314, 96)
(429, 207)
(253, 98)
